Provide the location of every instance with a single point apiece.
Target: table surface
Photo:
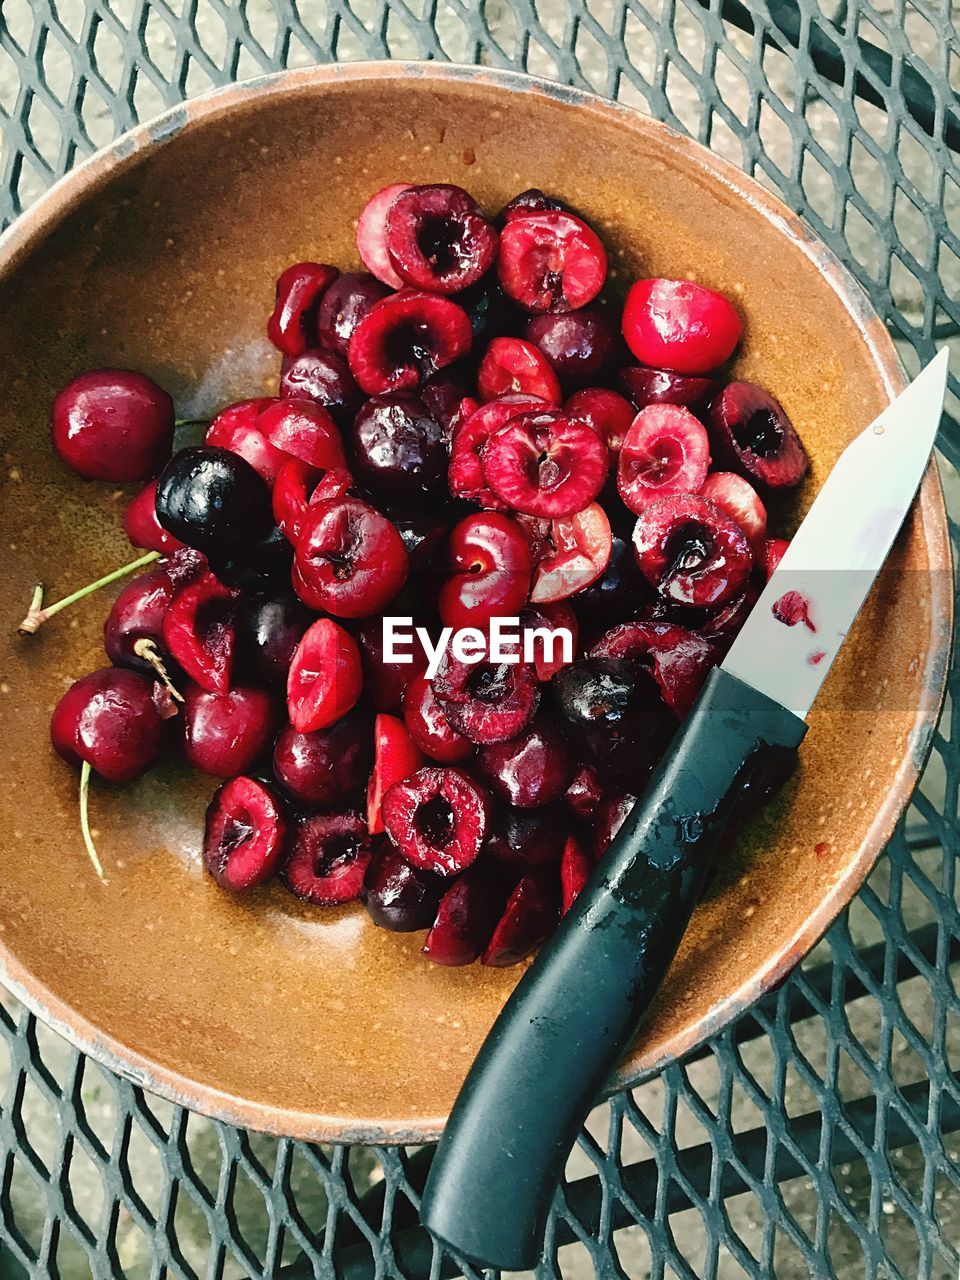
(818, 1136)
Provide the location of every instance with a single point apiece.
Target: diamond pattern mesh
(818, 1136)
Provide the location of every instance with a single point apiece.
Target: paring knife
(576, 1009)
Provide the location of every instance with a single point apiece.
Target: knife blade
(576, 1009)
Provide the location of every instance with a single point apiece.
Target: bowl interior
(162, 257)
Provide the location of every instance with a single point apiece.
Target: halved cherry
(304, 430)
(680, 325)
(438, 238)
(512, 366)
(491, 561)
(343, 306)
(528, 919)
(662, 386)
(774, 549)
(680, 660)
(487, 701)
(428, 725)
(437, 818)
(665, 451)
(691, 551)
(350, 560)
(738, 498)
(325, 678)
(447, 402)
(551, 261)
(584, 792)
(199, 631)
(296, 481)
(293, 326)
(372, 234)
(327, 858)
(575, 867)
(244, 835)
(607, 413)
(235, 428)
(549, 616)
(752, 434)
(465, 919)
(396, 756)
(405, 339)
(545, 464)
(470, 438)
(581, 551)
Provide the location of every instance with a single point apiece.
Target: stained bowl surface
(160, 254)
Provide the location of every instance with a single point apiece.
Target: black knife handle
(576, 1009)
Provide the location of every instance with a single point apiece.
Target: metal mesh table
(819, 1135)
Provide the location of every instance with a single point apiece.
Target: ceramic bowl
(161, 254)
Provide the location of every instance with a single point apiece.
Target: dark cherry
(528, 919)
(323, 377)
(585, 792)
(662, 386)
(141, 525)
(533, 200)
(438, 238)
(611, 815)
(211, 499)
(400, 897)
(428, 725)
(398, 450)
(751, 434)
(619, 591)
(487, 701)
(226, 733)
(328, 768)
(466, 917)
(136, 617)
(113, 424)
(580, 345)
(446, 400)
(524, 838)
(269, 628)
(679, 660)
(530, 770)
(109, 720)
(424, 538)
(263, 563)
(491, 312)
(245, 833)
(384, 683)
(293, 326)
(328, 856)
(344, 305)
(613, 706)
(405, 339)
(691, 552)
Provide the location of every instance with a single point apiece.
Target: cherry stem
(37, 615)
(190, 422)
(146, 649)
(90, 847)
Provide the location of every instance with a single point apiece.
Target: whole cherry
(113, 424)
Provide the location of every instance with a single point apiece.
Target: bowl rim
(35, 223)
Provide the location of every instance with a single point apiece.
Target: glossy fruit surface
(511, 366)
(579, 345)
(327, 857)
(108, 719)
(343, 306)
(325, 680)
(465, 920)
(398, 896)
(691, 551)
(292, 327)
(551, 261)
(199, 631)
(324, 377)
(405, 338)
(398, 450)
(302, 429)
(680, 325)
(662, 386)
(469, 443)
(665, 450)
(226, 733)
(545, 464)
(396, 757)
(211, 499)
(753, 435)
(577, 555)
(428, 725)
(372, 234)
(531, 769)
(529, 917)
(437, 818)
(268, 630)
(113, 424)
(487, 701)
(605, 411)
(141, 525)
(491, 564)
(244, 836)
(326, 768)
(350, 559)
(438, 239)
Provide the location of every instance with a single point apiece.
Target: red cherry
(141, 525)
(774, 549)
(665, 451)
(487, 701)
(465, 919)
(113, 424)
(581, 552)
(469, 442)
(137, 615)
(325, 677)
(551, 262)
(199, 631)
(584, 792)
(244, 835)
(293, 326)
(607, 413)
(350, 559)
(531, 770)
(296, 481)
(529, 917)
(328, 856)
(396, 757)
(752, 434)
(226, 733)
(680, 326)
(405, 339)
(428, 725)
(575, 868)
(328, 768)
(511, 366)
(438, 239)
(738, 498)
(491, 559)
(235, 428)
(109, 720)
(544, 463)
(662, 386)
(302, 430)
(691, 551)
(680, 660)
(437, 818)
(384, 683)
(344, 305)
(372, 234)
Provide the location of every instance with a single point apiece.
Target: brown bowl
(160, 254)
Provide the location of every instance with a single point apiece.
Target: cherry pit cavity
(431, 612)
